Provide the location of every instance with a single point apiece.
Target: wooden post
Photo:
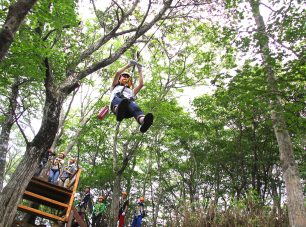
(73, 193)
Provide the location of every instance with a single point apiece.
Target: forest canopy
(225, 81)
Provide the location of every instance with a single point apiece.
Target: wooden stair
(59, 198)
(40, 213)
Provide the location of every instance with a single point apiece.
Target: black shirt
(123, 206)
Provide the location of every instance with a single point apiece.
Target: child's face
(124, 79)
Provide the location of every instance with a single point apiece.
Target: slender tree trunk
(159, 189)
(35, 150)
(115, 202)
(6, 130)
(296, 208)
(59, 132)
(15, 16)
(62, 120)
(276, 200)
(116, 186)
(255, 160)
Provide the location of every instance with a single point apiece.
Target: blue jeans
(53, 176)
(137, 221)
(133, 110)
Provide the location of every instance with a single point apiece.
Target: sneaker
(147, 122)
(123, 105)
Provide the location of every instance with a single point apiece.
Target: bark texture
(15, 16)
(12, 194)
(296, 208)
(6, 130)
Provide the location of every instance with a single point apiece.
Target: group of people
(59, 172)
(139, 211)
(99, 208)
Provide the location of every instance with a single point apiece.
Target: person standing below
(83, 205)
(56, 168)
(67, 173)
(98, 211)
(139, 213)
(122, 98)
(123, 207)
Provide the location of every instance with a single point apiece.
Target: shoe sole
(147, 122)
(121, 109)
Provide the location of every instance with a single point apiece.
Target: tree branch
(107, 37)
(15, 16)
(126, 46)
(22, 133)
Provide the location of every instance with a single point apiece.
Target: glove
(133, 63)
(123, 213)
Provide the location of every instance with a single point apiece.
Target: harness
(54, 164)
(120, 94)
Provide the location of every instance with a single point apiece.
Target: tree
(56, 94)
(6, 127)
(16, 14)
(296, 208)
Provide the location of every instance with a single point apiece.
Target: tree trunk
(159, 189)
(15, 16)
(296, 209)
(12, 194)
(6, 130)
(116, 186)
(62, 120)
(115, 202)
(276, 200)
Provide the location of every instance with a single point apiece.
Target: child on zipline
(122, 98)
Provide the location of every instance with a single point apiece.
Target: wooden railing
(53, 196)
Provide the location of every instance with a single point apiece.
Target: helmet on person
(125, 74)
(141, 199)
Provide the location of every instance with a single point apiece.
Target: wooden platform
(46, 189)
(58, 198)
